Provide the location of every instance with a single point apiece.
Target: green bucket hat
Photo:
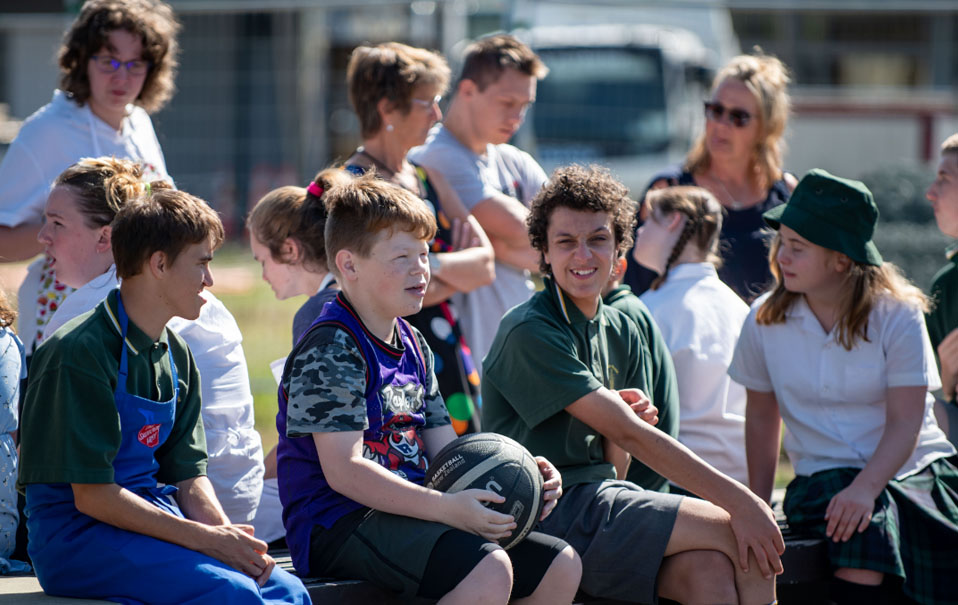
(835, 213)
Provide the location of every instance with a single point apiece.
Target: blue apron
(76, 555)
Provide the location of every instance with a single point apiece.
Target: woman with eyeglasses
(395, 91)
(739, 160)
(117, 63)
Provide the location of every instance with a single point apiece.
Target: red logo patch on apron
(149, 435)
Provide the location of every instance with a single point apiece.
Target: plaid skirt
(906, 538)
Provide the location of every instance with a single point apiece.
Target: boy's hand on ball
(551, 486)
(640, 404)
(469, 513)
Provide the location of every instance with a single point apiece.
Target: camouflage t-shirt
(327, 382)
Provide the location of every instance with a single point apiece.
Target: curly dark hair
(583, 188)
(153, 21)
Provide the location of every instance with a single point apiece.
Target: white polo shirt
(833, 400)
(700, 319)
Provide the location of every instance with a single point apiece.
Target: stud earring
(389, 128)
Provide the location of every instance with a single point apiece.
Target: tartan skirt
(905, 538)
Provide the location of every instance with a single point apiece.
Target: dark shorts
(413, 557)
(620, 531)
(905, 538)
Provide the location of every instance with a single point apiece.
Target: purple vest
(395, 390)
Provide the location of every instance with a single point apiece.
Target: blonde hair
(767, 79)
(297, 213)
(702, 226)
(865, 285)
(101, 186)
(359, 208)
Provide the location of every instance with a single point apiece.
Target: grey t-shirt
(501, 169)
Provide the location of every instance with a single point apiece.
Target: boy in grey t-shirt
(495, 180)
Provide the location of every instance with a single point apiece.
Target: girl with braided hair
(700, 318)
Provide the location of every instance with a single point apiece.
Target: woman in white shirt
(117, 63)
(839, 351)
(700, 319)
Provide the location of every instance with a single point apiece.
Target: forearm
(762, 443)
(20, 242)
(520, 257)
(437, 291)
(467, 269)
(198, 501)
(119, 507)
(618, 457)
(372, 485)
(898, 440)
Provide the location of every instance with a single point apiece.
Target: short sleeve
(435, 407)
(183, 455)
(460, 167)
(326, 385)
(749, 367)
(70, 430)
(537, 372)
(909, 358)
(533, 177)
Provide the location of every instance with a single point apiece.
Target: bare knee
(490, 581)
(560, 582)
(698, 576)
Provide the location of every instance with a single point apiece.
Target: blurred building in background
(261, 100)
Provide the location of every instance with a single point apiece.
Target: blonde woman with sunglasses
(738, 158)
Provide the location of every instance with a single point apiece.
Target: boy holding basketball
(359, 416)
(562, 377)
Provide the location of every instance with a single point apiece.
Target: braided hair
(702, 225)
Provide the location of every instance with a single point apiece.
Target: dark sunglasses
(739, 118)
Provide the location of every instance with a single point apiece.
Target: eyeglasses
(427, 103)
(109, 65)
(739, 118)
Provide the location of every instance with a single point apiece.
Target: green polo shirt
(660, 373)
(943, 317)
(70, 429)
(547, 355)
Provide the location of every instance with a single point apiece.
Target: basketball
(496, 463)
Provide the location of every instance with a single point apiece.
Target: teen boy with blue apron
(76, 555)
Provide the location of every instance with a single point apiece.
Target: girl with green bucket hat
(838, 350)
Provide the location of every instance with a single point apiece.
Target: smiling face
(808, 268)
(581, 251)
(390, 282)
(724, 139)
(78, 252)
(498, 111)
(185, 279)
(110, 93)
(943, 194)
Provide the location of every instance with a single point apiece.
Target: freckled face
(393, 278)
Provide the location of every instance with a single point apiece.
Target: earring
(389, 128)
